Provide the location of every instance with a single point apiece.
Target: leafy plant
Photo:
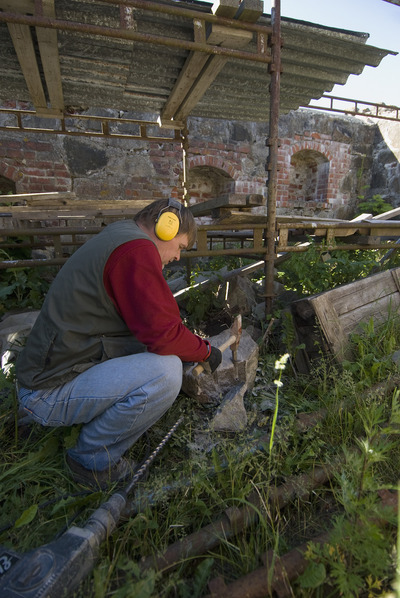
(373, 347)
(201, 476)
(357, 556)
(316, 270)
(23, 287)
(375, 205)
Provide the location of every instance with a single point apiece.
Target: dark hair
(149, 215)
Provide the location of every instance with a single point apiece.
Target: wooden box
(326, 321)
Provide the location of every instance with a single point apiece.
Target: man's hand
(214, 359)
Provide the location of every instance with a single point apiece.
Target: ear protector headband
(167, 223)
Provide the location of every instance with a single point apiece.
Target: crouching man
(107, 348)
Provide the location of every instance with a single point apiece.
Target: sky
(378, 18)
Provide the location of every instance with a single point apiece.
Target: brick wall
(33, 165)
(323, 162)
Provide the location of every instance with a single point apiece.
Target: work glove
(214, 359)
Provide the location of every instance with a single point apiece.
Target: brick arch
(214, 162)
(332, 155)
(314, 146)
(208, 182)
(10, 172)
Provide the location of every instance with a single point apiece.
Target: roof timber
(169, 59)
(21, 36)
(200, 70)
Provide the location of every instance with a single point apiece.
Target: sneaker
(101, 479)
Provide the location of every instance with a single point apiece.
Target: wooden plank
(188, 75)
(51, 231)
(48, 47)
(25, 213)
(31, 197)
(199, 71)
(387, 215)
(283, 239)
(23, 44)
(222, 36)
(225, 8)
(330, 323)
(22, 6)
(258, 238)
(378, 310)
(291, 220)
(78, 204)
(367, 290)
(201, 241)
(233, 200)
(250, 10)
(246, 10)
(341, 310)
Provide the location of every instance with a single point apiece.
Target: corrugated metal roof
(138, 77)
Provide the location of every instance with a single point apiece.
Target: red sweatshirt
(135, 283)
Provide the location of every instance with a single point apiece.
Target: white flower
(278, 383)
(280, 364)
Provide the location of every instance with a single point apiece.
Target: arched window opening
(208, 182)
(309, 174)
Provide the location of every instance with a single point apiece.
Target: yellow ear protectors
(167, 223)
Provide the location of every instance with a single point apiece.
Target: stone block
(231, 414)
(212, 388)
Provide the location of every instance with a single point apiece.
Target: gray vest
(78, 325)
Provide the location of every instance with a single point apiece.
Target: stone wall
(325, 163)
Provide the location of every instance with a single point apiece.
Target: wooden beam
(250, 10)
(200, 69)
(48, 47)
(233, 200)
(221, 36)
(225, 8)
(23, 44)
(190, 71)
(22, 6)
(32, 197)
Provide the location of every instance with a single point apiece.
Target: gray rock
(13, 331)
(212, 388)
(231, 415)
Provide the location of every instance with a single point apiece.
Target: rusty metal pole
(272, 142)
(184, 185)
(185, 163)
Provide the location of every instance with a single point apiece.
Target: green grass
(201, 476)
(188, 488)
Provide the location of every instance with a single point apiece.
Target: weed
(375, 205)
(357, 558)
(24, 287)
(317, 270)
(190, 488)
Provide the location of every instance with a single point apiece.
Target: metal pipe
(57, 568)
(235, 520)
(131, 35)
(272, 164)
(191, 14)
(272, 579)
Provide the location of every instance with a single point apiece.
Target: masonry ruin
(325, 164)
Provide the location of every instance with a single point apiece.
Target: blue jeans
(116, 400)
